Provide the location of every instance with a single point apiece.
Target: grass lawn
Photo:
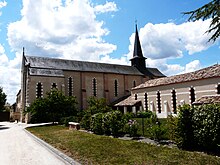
(94, 149)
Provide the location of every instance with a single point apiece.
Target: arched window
(174, 100)
(158, 102)
(192, 95)
(39, 90)
(53, 86)
(134, 83)
(70, 86)
(116, 88)
(145, 101)
(135, 96)
(218, 89)
(94, 86)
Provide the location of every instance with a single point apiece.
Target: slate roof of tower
(137, 46)
(209, 72)
(55, 67)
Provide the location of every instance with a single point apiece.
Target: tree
(209, 10)
(2, 99)
(53, 107)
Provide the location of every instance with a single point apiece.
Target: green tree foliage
(110, 123)
(207, 127)
(2, 99)
(209, 10)
(53, 107)
(185, 137)
(198, 128)
(95, 105)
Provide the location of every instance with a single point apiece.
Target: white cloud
(167, 41)
(9, 75)
(107, 7)
(64, 29)
(192, 66)
(2, 4)
(162, 41)
(55, 28)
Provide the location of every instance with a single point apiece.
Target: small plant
(131, 127)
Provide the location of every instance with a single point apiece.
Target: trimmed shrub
(131, 127)
(172, 127)
(97, 124)
(86, 121)
(184, 131)
(207, 127)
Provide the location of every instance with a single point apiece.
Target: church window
(53, 86)
(145, 101)
(158, 102)
(218, 89)
(174, 100)
(39, 90)
(134, 83)
(116, 87)
(70, 86)
(192, 95)
(135, 97)
(94, 86)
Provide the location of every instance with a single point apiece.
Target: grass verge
(94, 149)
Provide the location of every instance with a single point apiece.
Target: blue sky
(102, 31)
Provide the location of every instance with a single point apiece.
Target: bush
(157, 132)
(94, 106)
(131, 127)
(207, 127)
(53, 107)
(198, 128)
(66, 120)
(184, 131)
(172, 127)
(86, 121)
(97, 124)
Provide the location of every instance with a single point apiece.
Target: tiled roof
(130, 101)
(61, 64)
(209, 72)
(208, 100)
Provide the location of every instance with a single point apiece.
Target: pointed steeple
(137, 45)
(138, 59)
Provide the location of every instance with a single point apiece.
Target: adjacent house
(164, 95)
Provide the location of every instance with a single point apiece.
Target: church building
(82, 79)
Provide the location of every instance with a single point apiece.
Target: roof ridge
(190, 76)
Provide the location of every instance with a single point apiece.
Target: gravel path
(17, 147)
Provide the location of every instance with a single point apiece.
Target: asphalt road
(17, 147)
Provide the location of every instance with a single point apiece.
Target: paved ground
(17, 147)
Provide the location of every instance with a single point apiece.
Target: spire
(137, 45)
(138, 59)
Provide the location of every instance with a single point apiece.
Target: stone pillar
(125, 109)
(165, 106)
(134, 109)
(151, 106)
